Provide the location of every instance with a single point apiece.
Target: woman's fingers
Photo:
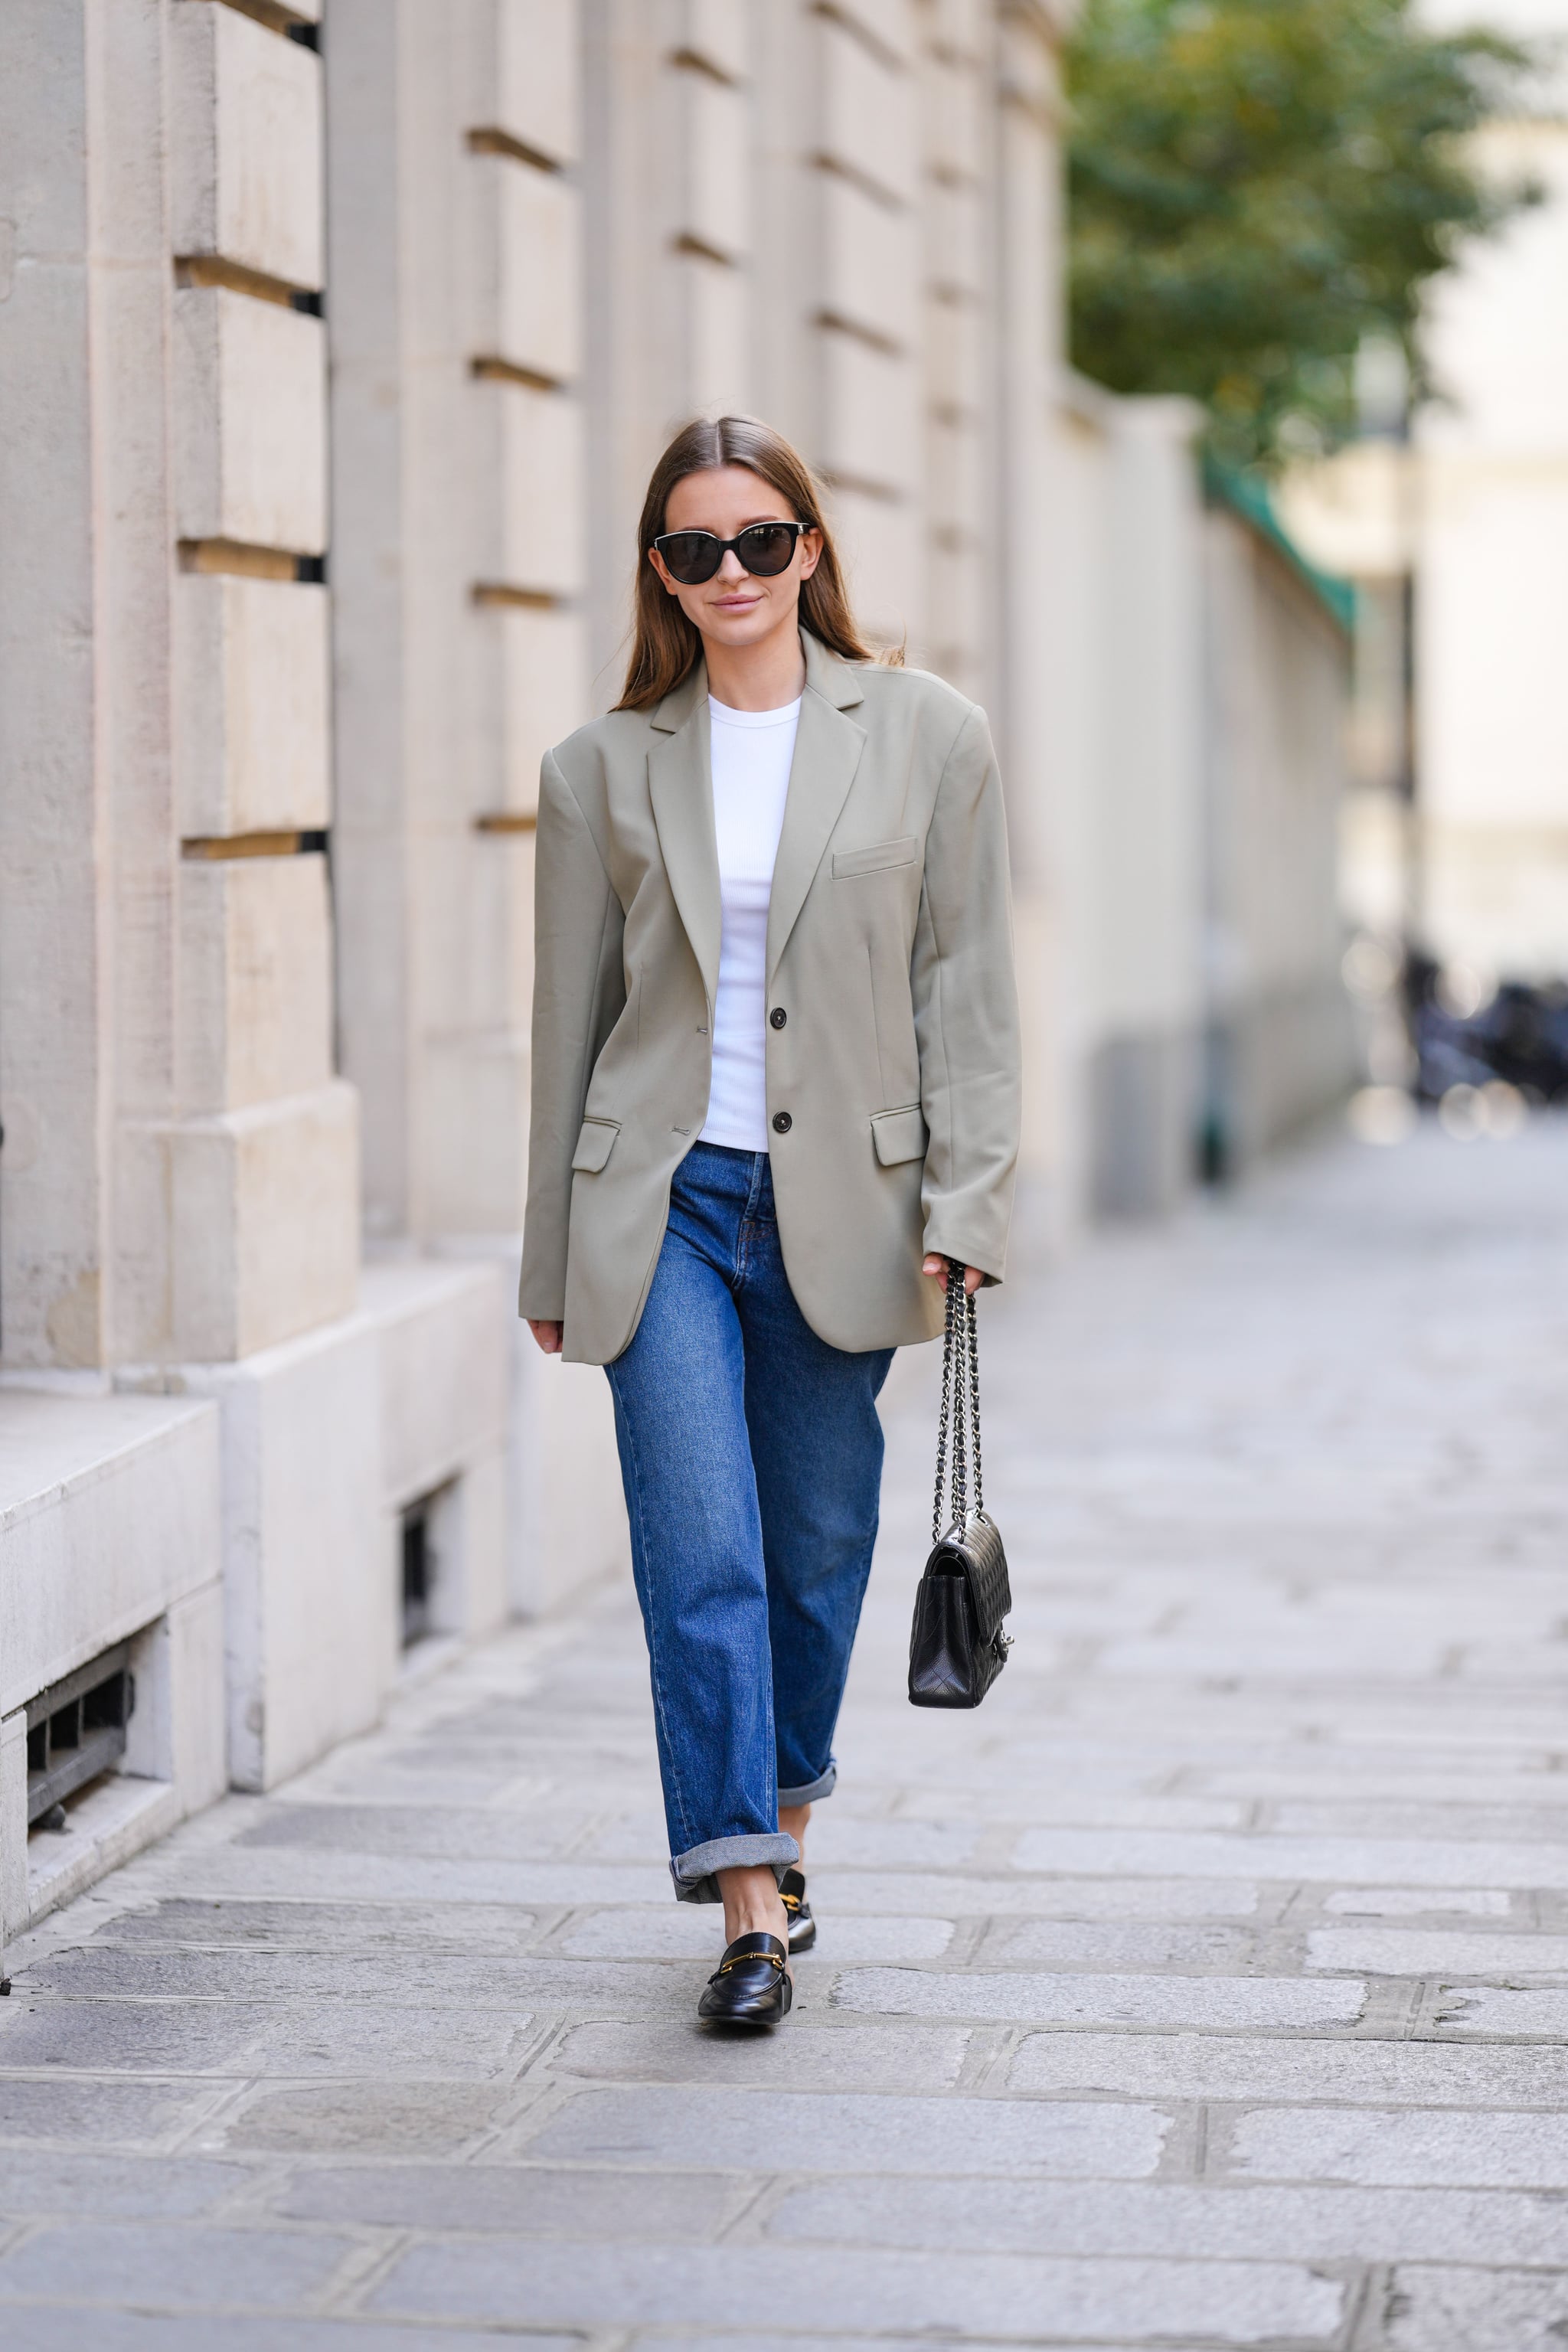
(937, 1266)
(549, 1336)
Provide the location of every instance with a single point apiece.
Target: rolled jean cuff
(823, 1786)
(694, 1873)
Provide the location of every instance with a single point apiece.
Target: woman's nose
(731, 569)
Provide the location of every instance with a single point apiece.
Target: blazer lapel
(827, 747)
(681, 786)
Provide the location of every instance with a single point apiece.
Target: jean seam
(653, 1641)
(866, 1555)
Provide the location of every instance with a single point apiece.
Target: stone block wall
(180, 1178)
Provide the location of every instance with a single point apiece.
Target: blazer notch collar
(671, 715)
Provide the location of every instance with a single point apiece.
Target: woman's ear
(810, 551)
(656, 559)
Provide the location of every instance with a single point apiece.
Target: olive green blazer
(893, 1077)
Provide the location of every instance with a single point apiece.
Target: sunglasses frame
(733, 547)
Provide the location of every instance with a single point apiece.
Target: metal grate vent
(76, 1728)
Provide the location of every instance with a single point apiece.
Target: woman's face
(734, 608)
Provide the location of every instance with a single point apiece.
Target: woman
(776, 1089)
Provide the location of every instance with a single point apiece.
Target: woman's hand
(972, 1276)
(548, 1336)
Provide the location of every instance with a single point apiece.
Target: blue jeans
(752, 1456)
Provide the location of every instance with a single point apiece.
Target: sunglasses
(762, 549)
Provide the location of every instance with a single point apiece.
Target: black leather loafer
(801, 1926)
(750, 1986)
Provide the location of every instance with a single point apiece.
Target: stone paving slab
(915, 2058)
(1486, 2310)
(497, 1930)
(1009, 2294)
(117, 2187)
(1237, 2003)
(87, 2110)
(1426, 1952)
(867, 2132)
(154, 2263)
(1474, 2151)
(1250, 2224)
(1488, 2012)
(34, 2328)
(247, 2037)
(1419, 1902)
(1208, 1986)
(530, 2201)
(1211, 2067)
(372, 2117)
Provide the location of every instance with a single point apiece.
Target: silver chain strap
(959, 1425)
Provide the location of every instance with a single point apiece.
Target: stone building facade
(336, 341)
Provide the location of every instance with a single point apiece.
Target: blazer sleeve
(579, 989)
(966, 1012)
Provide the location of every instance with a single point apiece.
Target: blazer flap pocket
(596, 1144)
(872, 860)
(899, 1135)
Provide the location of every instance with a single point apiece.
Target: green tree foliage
(1256, 185)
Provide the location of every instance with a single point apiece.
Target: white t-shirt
(752, 751)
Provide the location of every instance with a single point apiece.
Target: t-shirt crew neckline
(726, 717)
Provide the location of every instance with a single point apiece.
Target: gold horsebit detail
(746, 1960)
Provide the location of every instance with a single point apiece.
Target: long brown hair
(665, 644)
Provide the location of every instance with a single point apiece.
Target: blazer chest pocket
(898, 1135)
(595, 1144)
(849, 862)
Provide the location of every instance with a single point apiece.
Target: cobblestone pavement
(1208, 1986)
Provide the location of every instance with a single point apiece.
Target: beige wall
(1279, 1047)
(1195, 696)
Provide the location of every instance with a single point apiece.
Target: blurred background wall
(337, 345)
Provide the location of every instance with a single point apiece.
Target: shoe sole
(748, 2024)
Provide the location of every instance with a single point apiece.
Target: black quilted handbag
(957, 1646)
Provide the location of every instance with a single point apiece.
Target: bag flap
(595, 1144)
(977, 1551)
(898, 1135)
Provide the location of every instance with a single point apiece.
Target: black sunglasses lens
(766, 548)
(692, 556)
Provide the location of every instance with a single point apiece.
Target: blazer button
(778, 1016)
(781, 1122)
